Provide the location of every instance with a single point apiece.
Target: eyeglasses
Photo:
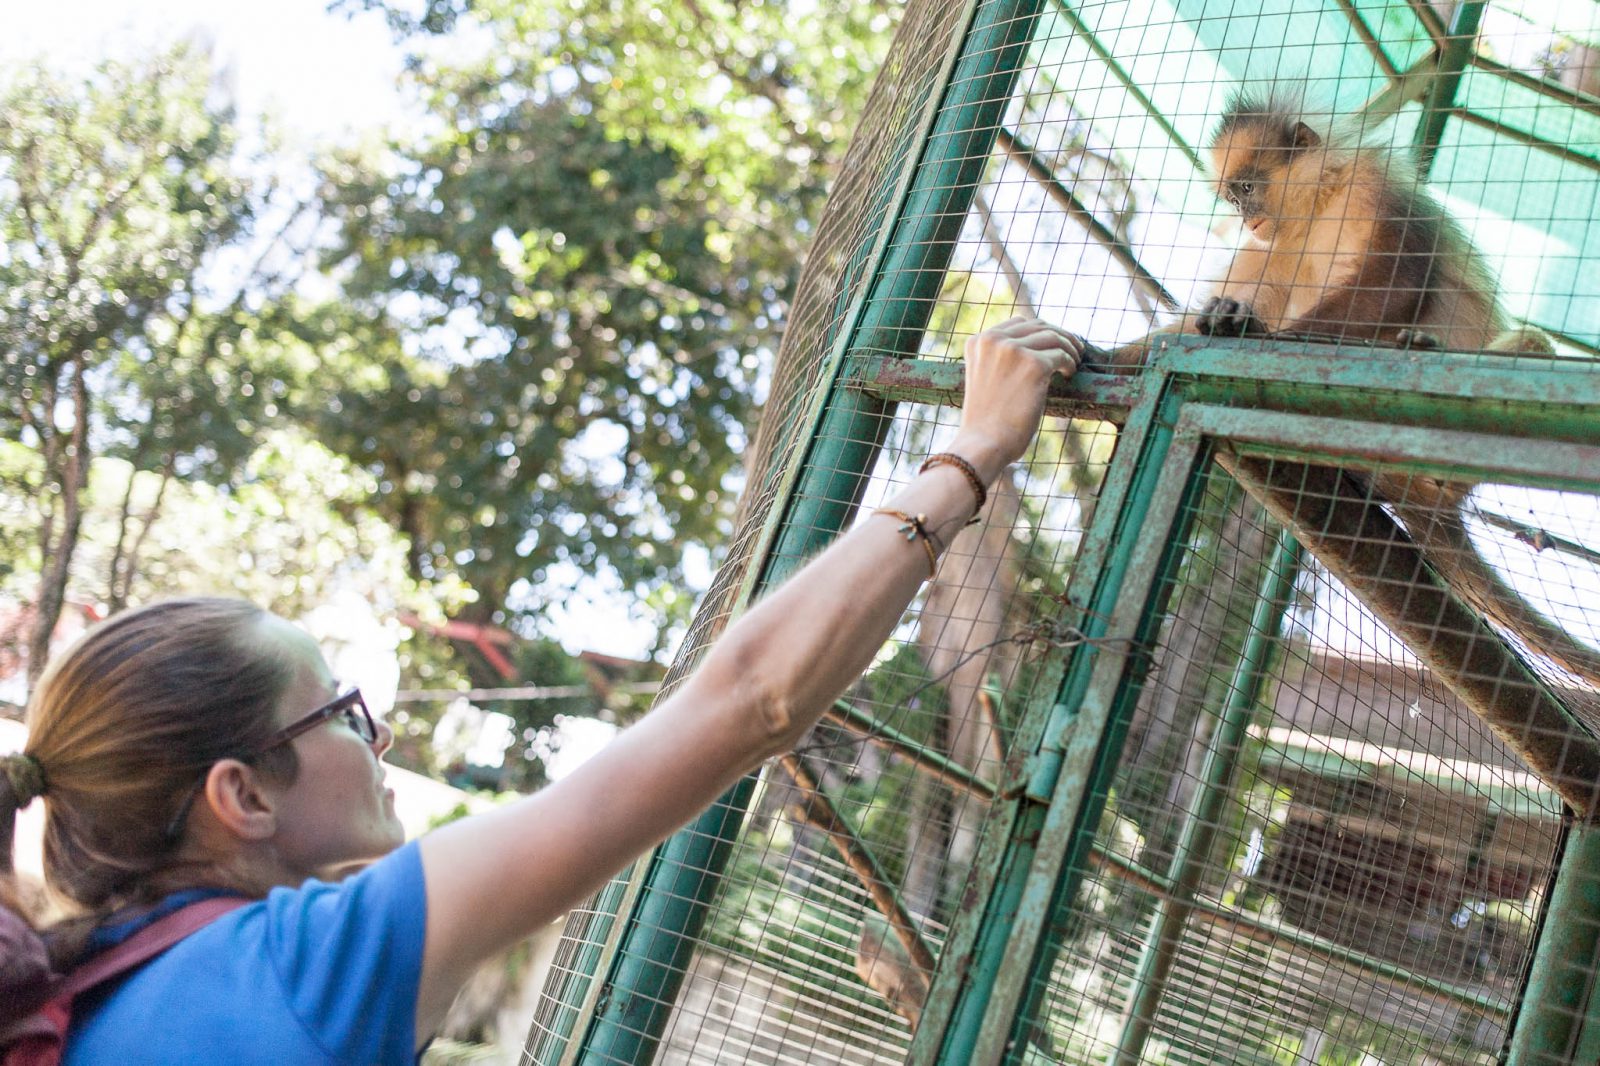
(349, 704)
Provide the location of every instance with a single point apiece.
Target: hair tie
(25, 775)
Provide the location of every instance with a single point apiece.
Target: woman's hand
(1009, 367)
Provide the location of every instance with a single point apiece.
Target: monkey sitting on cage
(1343, 243)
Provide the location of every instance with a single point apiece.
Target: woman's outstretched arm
(496, 877)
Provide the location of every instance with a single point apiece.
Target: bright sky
(324, 75)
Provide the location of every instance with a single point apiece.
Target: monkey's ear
(1304, 136)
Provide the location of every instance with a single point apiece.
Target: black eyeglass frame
(347, 703)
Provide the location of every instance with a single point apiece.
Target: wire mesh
(801, 963)
(1361, 872)
(1371, 869)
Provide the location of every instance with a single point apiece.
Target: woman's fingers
(1032, 335)
(1008, 369)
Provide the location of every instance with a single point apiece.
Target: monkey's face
(1263, 170)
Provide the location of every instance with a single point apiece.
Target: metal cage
(1199, 749)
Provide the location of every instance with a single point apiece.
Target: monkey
(1342, 242)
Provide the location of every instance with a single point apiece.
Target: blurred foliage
(289, 529)
(115, 192)
(509, 352)
(574, 278)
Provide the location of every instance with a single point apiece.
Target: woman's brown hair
(124, 725)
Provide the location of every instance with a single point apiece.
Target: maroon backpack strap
(145, 945)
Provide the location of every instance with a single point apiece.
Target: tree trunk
(125, 559)
(58, 542)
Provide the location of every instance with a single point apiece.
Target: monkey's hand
(1415, 338)
(1223, 316)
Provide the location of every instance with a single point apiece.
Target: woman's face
(337, 815)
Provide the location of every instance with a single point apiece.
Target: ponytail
(25, 967)
(21, 782)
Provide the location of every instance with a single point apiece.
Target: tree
(588, 421)
(575, 282)
(115, 193)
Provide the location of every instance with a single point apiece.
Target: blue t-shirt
(325, 973)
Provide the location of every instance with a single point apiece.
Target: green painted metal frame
(1211, 797)
(582, 991)
(1279, 399)
(647, 966)
(1302, 402)
(1083, 743)
(1454, 55)
(1352, 404)
(978, 991)
(1560, 1018)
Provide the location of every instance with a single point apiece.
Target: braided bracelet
(968, 471)
(916, 525)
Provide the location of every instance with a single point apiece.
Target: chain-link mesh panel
(1339, 863)
(859, 848)
(883, 147)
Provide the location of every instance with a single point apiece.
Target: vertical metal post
(983, 976)
(1200, 827)
(563, 1004)
(1560, 989)
(911, 273)
(652, 957)
(1446, 82)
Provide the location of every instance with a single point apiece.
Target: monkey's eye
(1247, 187)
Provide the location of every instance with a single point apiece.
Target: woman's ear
(239, 800)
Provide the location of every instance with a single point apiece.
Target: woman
(201, 747)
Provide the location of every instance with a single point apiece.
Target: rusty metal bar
(820, 812)
(1040, 171)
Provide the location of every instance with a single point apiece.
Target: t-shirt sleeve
(349, 956)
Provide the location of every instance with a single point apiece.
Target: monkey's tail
(1443, 536)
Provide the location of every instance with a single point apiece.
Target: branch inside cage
(944, 770)
(818, 811)
(1362, 545)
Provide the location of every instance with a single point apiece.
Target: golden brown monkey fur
(1341, 241)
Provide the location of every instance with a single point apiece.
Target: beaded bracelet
(916, 525)
(968, 471)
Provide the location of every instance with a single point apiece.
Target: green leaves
(580, 274)
(112, 194)
(538, 341)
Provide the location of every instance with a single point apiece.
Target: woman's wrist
(982, 453)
